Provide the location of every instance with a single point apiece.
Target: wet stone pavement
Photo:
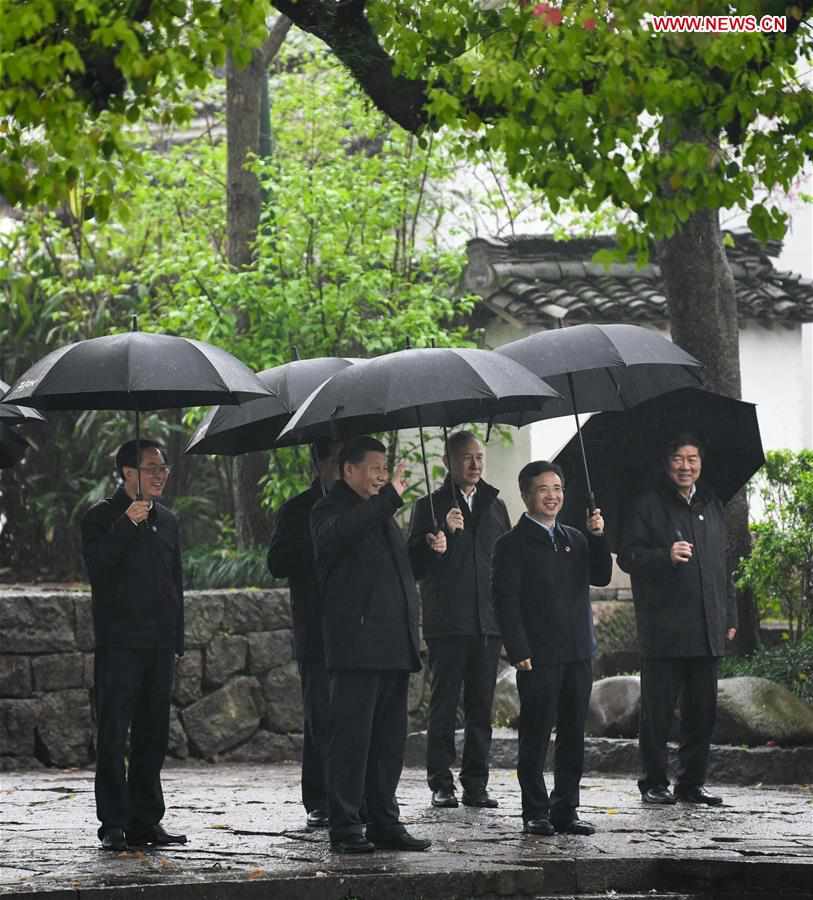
(247, 838)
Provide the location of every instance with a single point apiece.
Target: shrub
(227, 567)
(790, 665)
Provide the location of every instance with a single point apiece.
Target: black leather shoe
(352, 843)
(114, 839)
(400, 840)
(444, 799)
(697, 795)
(575, 826)
(542, 826)
(479, 798)
(155, 835)
(658, 796)
(318, 818)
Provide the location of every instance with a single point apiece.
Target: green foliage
(589, 104)
(207, 568)
(780, 568)
(75, 76)
(790, 665)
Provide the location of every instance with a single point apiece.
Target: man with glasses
(131, 548)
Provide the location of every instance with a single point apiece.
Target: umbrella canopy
(256, 425)
(138, 371)
(611, 366)
(12, 446)
(12, 414)
(419, 387)
(626, 451)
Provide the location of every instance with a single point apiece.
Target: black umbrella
(229, 430)
(12, 446)
(626, 450)
(11, 414)
(603, 367)
(440, 386)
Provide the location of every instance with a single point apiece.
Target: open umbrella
(12, 414)
(416, 388)
(626, 450)
(603, 367)
(255, 425)
(136, 371)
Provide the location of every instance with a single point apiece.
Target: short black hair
(356, 449)
(324, 447)
(538, 467)
(126, 455)
(683, 439)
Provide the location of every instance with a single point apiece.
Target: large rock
(616, 633)
(255, 610)
(57, 671)
(178, 745)
(15, 676)
(615, 704)
(188, 678)
(65, 728)
(225, 718)
(264, 746)
(41, 623)
(83, 612)
(506, 697)
(203, 617)
(753, 711)
(225, 656)
(18, 723)
(283, 699)
(269, 649)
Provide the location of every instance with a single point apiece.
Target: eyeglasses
(154, 471)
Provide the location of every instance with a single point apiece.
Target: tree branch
(276, 38)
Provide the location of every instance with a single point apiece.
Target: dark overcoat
(681, 609)
(290, 555)
(135, 576)
(456, 586)
(369, 595)
(542, 591)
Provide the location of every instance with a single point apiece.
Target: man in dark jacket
(674, 547)
(542, 576)
(459, 623)
(131, 548)
(371, 645)
(290, 555)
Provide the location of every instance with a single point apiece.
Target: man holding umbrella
(131, 547)
(290, 555)
(674, 547)
(370, 634)
(459, 622)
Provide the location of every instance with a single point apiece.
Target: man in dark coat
(290, 555)
(674, 547)
(542, 576)
(459, 623)
(371, 645)
(132, 553)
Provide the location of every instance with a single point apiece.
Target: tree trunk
(702, 300)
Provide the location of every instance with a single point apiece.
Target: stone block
(83, 615)
(15, 676)
(58, 671)
(203, 617)
(269, 649)
(283, 699)
(225, 655)
(264, 746)
(224, 719)
(188, 678)
(178, 745)
(65, 728)
(89, 675)
(615, 706)
(256, 610)
(37, 624)
(18, 722)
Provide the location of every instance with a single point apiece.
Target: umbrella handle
(590, 494)
(139, 495)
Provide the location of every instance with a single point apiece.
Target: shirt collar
(549, 528)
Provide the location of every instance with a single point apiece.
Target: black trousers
(692, 680)
(315, 699)
(552, 695)
(469, 663)
(133, 689)
(368, 725)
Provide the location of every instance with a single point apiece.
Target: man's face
(154, 474)
(468, 464)
(369, 476)
(683, 466)
(545, 496)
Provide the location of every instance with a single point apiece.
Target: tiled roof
(530, 279)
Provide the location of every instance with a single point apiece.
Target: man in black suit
(459, 623)
(290, 555)
(674, 547)
(542, 576)
(371, 645)
(132, 553)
